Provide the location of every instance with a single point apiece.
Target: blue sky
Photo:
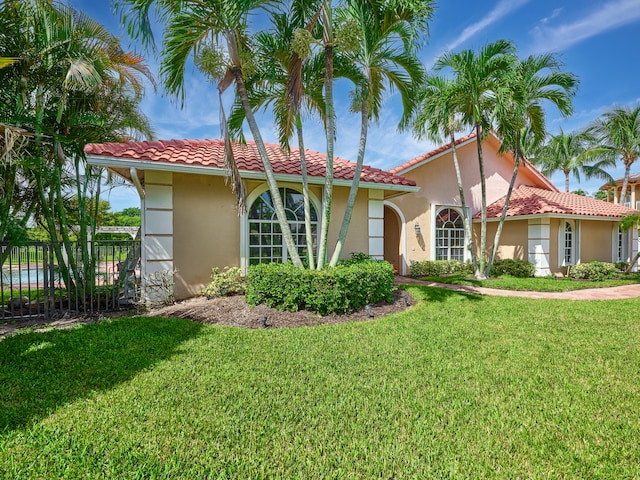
(599, 41)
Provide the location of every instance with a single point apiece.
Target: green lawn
(536, 284)
(459, 386)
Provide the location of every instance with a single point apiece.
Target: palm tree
(68, 66)
(436, 120)
(220, 25)
(385, 55)
(528, 83)
(291, 85)
(479, 76)
(617, 134)
(571, 154)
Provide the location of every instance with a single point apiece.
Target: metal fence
(34, 283)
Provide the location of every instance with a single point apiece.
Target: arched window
(449, 235)
(266, 243)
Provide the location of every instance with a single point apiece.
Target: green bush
(622, 266)
(340, 289)
(224, 283)
(594, 271)
(435, 268)
(515, 268)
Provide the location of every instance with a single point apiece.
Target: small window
(449, 233)
(622, 246)
(568, 243)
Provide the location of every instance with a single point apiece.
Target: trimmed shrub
(594, 271)
(622, 266)
(515, 268)
(341, 289)
(434, 268)
(224, 283)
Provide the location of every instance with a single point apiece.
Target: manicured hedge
(515, 268)
(434, 268)
(341, 289)
(593, 271)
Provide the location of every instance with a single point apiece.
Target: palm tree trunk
(305, 195)
(625, 182)
(505, 208)
(468, 231)
(566, 181)
(327, 195)
(355, 184)
(479, 274)
(268, 169)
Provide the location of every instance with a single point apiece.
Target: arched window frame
(568, 243)
(458, 232)
(244, 218)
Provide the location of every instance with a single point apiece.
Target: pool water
(23, 276)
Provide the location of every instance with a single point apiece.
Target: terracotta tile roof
(432, 153)
(210, 153)
(527, 200)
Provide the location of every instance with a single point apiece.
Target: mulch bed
(234, 311)
(227, 311)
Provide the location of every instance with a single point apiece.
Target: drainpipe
(136, 181)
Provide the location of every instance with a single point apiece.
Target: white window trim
(244, 218)
(626, 249)
(466, 253)
(575, 247)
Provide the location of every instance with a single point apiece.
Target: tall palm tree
(191, 25)
(291, 85)
(571, 154)
(617, 134)
(479, 77)
(527, 85)
(385, 57)
(436, 120)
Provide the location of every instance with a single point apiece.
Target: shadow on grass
(437, 294)
(40, 372)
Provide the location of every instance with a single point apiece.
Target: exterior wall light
(417, 227)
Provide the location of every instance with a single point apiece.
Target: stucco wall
(439, 186)
(513, 240)
(358, 234)
(206, 230)
(206, 227)
(596, 241)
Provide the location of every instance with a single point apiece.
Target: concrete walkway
(609, 293)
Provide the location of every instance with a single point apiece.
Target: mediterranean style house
(412, 212)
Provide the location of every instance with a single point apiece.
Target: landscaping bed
(234, 311)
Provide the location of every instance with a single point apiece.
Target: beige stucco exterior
(207, 228)
(439, 187)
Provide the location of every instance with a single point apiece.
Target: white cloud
(553, 15)
(503, 8)
(608, 16)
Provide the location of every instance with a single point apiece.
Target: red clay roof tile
(211, 153)
(526, 200)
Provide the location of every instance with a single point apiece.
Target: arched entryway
(394, 237)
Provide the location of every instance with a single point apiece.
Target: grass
(459, 386)
(535, 284)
